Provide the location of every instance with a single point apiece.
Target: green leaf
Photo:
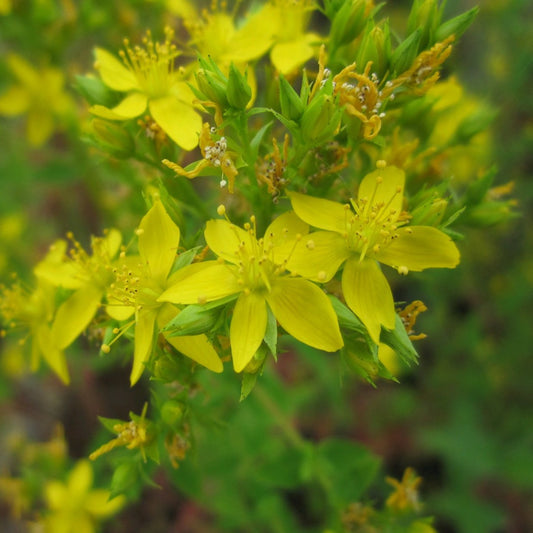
(345, 470)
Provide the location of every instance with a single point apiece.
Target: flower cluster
(332, 175)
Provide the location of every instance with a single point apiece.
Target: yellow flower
(405, 495)
(293, 46)
(370, 230)
(40, 94)
(215, 34)
(34, 312)
(139, 282)
(74, 506)
(148, 76)
(255, 270)
(88, 275)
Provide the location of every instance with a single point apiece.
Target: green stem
(291, 434)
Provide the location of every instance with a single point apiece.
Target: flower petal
(196, 347)
(39, 126)
(144, 337)
(306, 313)
(247, 329)
(212, 282)
(224, 238)
(318, 255)
(320, 213)
(132, 106)
(74, 315)
(14, 101)
(179, 120)
(285, 228)
(420, 247)
(51, 354)
(113, 72)
(383, 186)
(368, 295)
(99, 505)
(158, 241)
(288, 56)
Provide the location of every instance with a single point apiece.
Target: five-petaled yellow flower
(369, 230)
(75, 506)
(255, 270)
(40, 94)
(150, 79)
(141, 280)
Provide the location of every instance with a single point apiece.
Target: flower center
(373, 224)
(152, 64)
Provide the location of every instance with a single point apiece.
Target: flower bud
(291, 104)
(321, 119)
(113, 138)
(375, 47)
(347, 21)
(193, 320)
(404, 55)
(172, 412)
(212, 83)
(426, 15)
(429, 213)
(239, 92)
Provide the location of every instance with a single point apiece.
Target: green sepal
(404, 55)
(456, 26)
(291, 104)
(239, 92)
(400, 342)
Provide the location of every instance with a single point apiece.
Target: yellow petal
(196, 347)
(14, 101)
(39, 127)
(368, 295)
(285, 228)
(51, 353)
(144, 336)
(248, 326)
(288, 56)
(212, 282)
(318, 255)
(383, 186)
(158, 241)
(178, 120)
(251, 40)
(420, 247)
(80, 479)
(55, 494)
(74, 315)
(99, 505)
(224, 238)
(323, 214)
(113, 72)
(132, 106)
(306, 313)
(23, 70)
(119, 312)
